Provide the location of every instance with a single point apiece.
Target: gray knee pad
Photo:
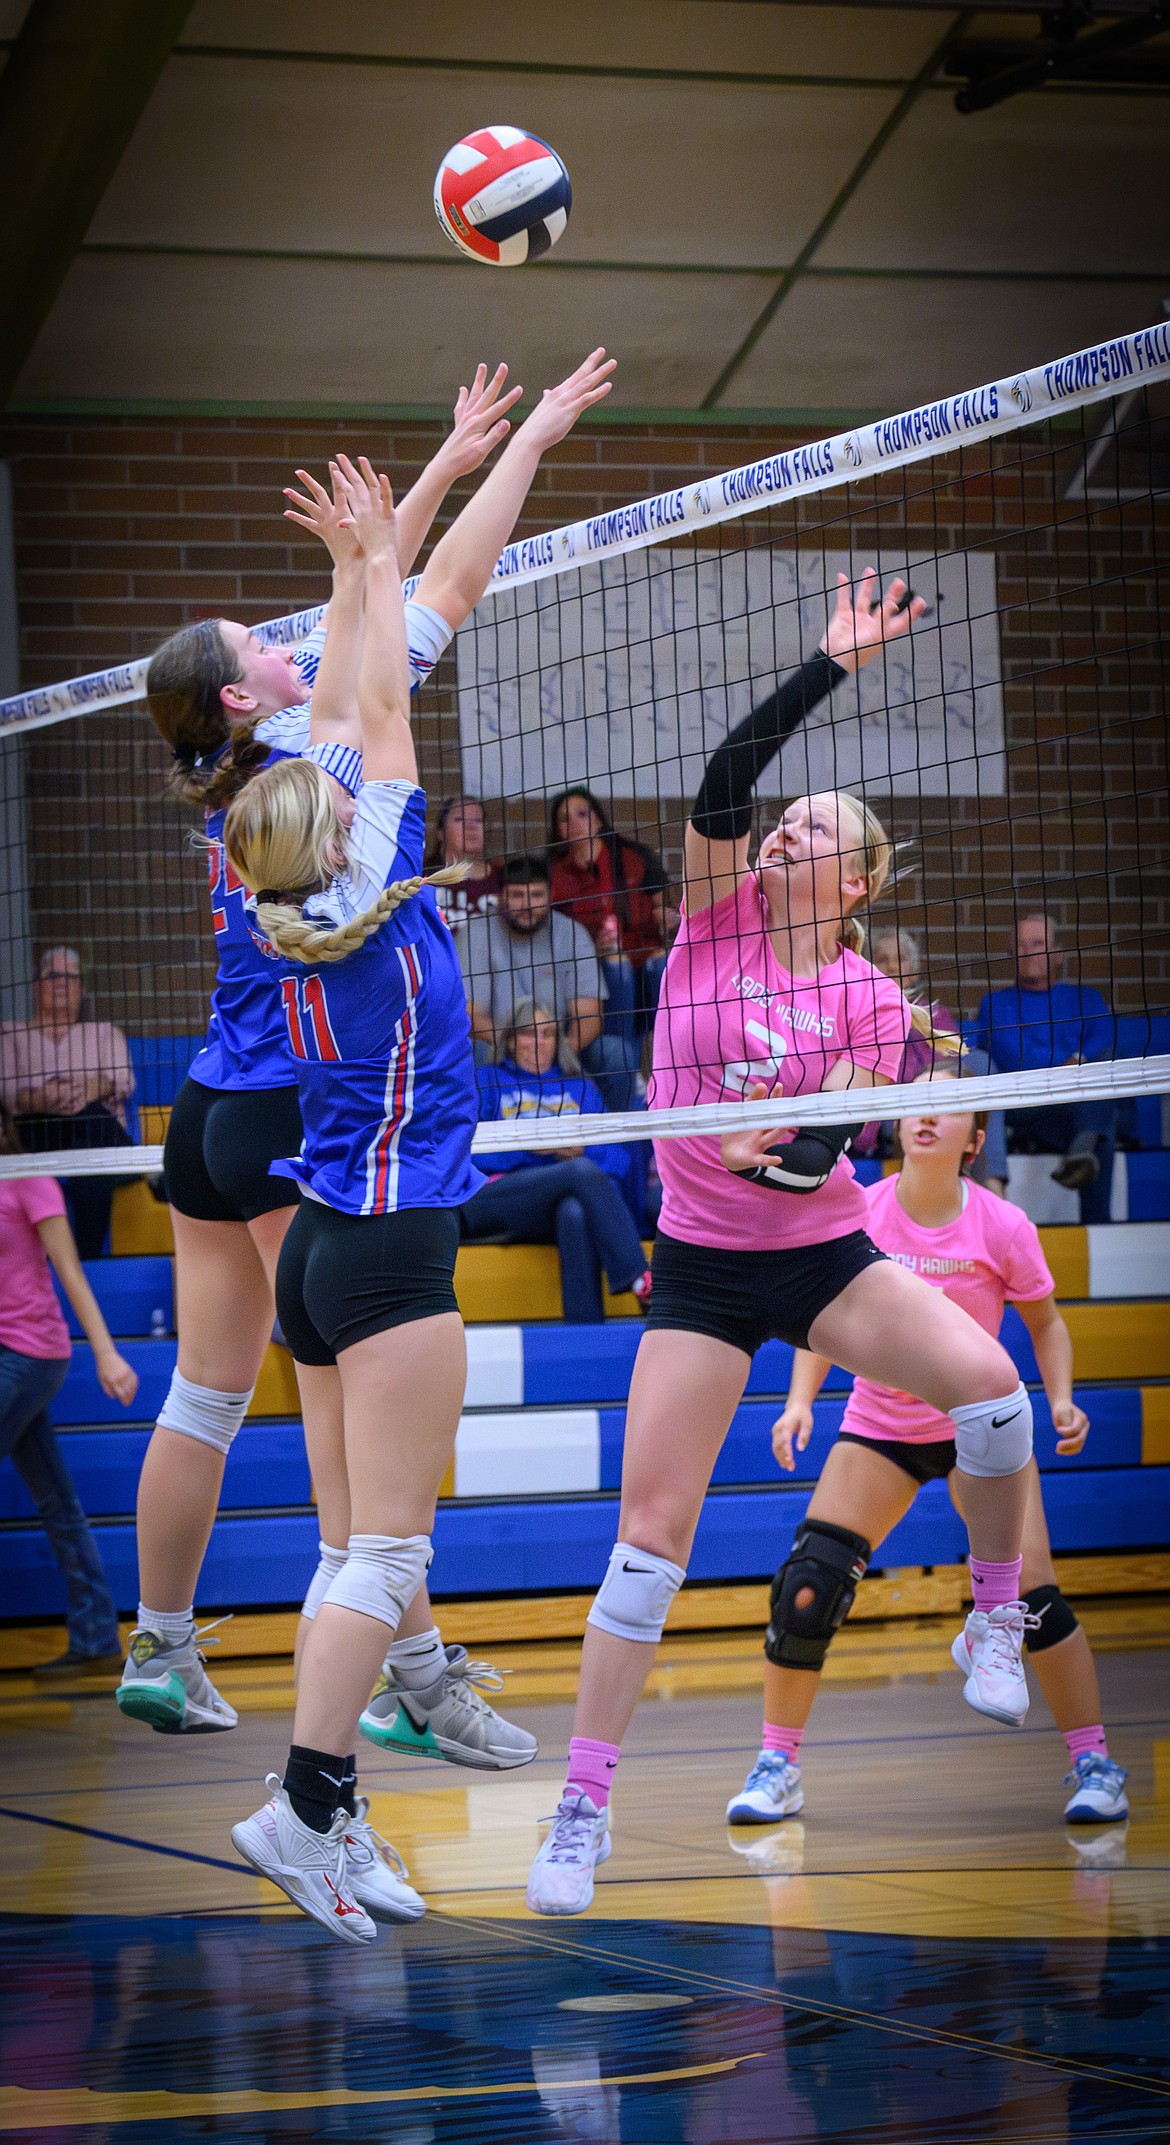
(830, 1561)
(994, 1437)
(381, 1575)
(202, 1413)
(329, 1564)
(635, 1594)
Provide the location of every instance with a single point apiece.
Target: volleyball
(502, 196)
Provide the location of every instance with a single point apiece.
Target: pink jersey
(728, 1014)
(990, 1255)
(30, 1315)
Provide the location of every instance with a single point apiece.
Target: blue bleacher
(264, 1547)
(160, 1065)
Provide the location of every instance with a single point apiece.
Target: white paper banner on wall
(627, 677)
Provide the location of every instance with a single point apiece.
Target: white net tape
(1113, 1081)
(980, 413)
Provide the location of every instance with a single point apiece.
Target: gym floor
(926, 1957)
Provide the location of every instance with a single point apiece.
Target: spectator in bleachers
(572, 1197)
(618, 891)
(67, 1080)
(35, 1353)
(901, 955)
(526, 949)
(459, 838)
(1041, 1020)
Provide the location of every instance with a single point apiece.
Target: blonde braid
(284, 926)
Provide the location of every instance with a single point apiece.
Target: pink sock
(786, 1740)
(1086, 1742)
(592, 1767)
(993, 1584)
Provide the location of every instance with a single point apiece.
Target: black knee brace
(830, 1561)
(1057, 1620)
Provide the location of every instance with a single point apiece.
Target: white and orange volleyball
(502, 196)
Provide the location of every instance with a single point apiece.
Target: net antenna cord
(1111, 1080)
(1106, 369)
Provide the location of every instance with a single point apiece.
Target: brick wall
(126, 530)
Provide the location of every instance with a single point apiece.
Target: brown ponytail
(183, 687)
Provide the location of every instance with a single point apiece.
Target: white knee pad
(381, 1575)
(329, 1564)
(200, 1412)
(994, 1437)
(635, 1594)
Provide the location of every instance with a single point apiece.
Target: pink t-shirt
(30, 1315)
(728, 1014)
(990, 1255)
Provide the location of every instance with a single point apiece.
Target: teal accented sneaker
(449, 1719)
(1098, 1796)
(771, 1791)
(169, 1689)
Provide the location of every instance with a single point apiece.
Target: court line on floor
(846, 2015)
(74, 2107)
(123, 1839)
(729, 1876)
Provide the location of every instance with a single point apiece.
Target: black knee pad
(1057, 1620)
(831, 1561)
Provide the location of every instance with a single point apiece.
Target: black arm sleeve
(723, 808)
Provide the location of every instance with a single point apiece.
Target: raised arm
(461, 565)
(480, 424)
(718, 832)
(333, 705)
(383, 684)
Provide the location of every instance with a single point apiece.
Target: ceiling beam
(1066, 57)
(77, 81)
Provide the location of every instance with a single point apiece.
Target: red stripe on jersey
(292, 1014)
(398, 1098)
(318, 1012)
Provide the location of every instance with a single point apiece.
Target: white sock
(418, 1661)
(173, 1625)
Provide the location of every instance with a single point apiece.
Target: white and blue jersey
(381, 1039)
(247, 1039)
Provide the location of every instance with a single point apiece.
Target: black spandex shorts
(343, 1277)
(923, 1463)
(749, 1297)
(220, 1141)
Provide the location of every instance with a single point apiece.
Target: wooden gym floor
(926, 1957)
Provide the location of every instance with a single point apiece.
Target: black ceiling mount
(1067, 50)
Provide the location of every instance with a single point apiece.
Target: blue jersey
(381, 1039)
(247, 1039)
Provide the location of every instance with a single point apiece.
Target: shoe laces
(572, 1830)
(1092, 1763)
(371, 1845)
(1005, 1634)
(476, 1676)
(769, 1766)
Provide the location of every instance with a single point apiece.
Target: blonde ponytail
(283, 922)
(283, 837)
(881, 858)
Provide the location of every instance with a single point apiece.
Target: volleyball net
(1013, 745)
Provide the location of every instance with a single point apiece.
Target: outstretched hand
(754, 1148)
(559, 407)
(862, 624)
(480, 422)
(324, 514)
(369, 507)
